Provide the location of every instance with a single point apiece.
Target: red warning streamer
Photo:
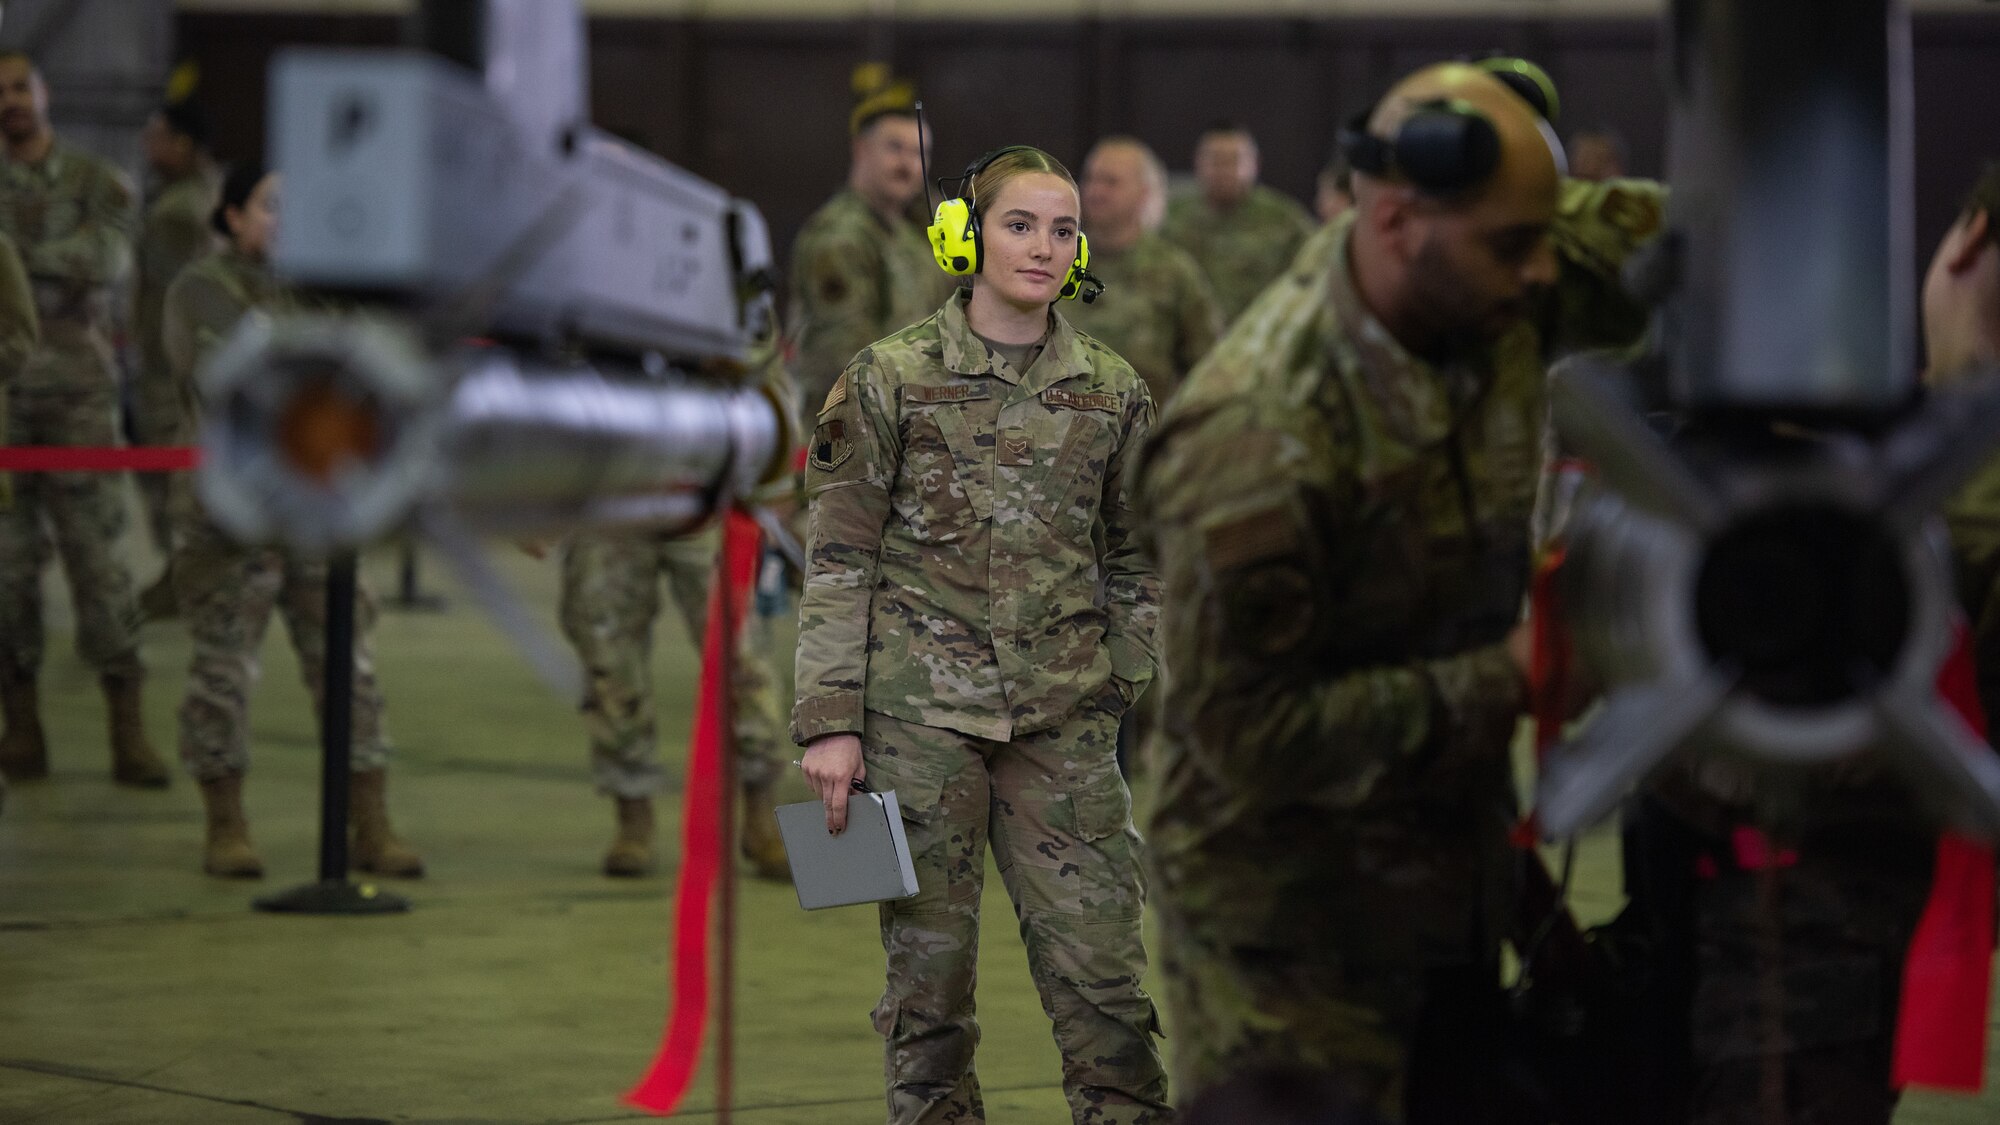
(667, 1081)
(1948, 972)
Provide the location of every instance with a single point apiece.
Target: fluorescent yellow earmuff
(956, 241)
(954, 234)
(1078, 277)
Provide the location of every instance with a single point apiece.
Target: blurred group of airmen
(190, 257)
(75, 242)
(1337, 495)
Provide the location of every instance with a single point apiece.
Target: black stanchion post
(410, 592)
(332, 893)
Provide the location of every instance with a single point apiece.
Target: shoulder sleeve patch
(831, 286)
(1263, 534)
(831, 445)
(1261, 582)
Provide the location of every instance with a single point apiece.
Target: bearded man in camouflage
(1339, 500)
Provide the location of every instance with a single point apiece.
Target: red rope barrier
(97, 459)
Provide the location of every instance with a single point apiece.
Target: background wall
(760, 106)
(1049, 9)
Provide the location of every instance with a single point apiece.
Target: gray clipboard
(867, 862)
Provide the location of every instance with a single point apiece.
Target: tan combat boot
(763, 846)
(377, 848)
(133, 761)
(227, 852)
(631, 852)
(24, 753)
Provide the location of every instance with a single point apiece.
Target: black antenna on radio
(924, 160)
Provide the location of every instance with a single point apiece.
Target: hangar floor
(524, 986)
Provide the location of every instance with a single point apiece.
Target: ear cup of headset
(1447, 149)
(954, 237)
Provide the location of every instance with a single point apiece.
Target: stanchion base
(420, 603)
(333, 896)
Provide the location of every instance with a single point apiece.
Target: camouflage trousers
(1060, 821)
(1420, 1043)
(83, 515)
(610, 601)
(1797, 978)
(157, 420)
(227, 592)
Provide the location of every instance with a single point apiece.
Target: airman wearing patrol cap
(861, 268)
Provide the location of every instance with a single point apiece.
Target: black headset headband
(1444, 147)
(973, 169)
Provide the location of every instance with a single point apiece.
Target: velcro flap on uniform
(948, 392)
(1082, 400)
(1254, 536)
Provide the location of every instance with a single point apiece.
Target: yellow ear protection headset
(955, 235)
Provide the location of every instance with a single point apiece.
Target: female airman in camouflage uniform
(977, 615)
(228, 590)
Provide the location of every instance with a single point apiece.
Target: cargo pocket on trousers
(1102, 807)
(1111, 885)
(918, 789)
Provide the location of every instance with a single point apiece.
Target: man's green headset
(955, 236)
(1447, 146)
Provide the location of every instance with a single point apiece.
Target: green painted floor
(524, 987)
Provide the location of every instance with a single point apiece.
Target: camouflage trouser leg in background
(1798, 974)
(83, 514)
(1236, 1008)
(761, 738)
(156, 421)
(227, 592)
(1059, 819)
(610, 601)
